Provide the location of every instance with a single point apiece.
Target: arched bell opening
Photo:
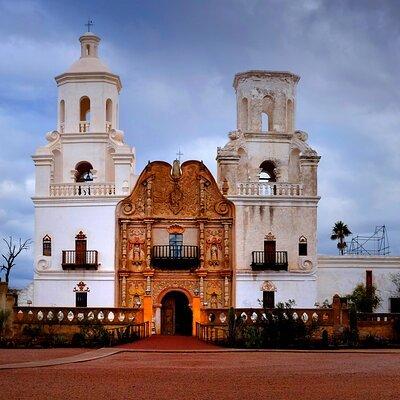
(267, 172)
(84, 172)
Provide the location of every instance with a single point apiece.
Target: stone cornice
(78, 275)
(121, 158)
(277, 201)
(268, 137)
(89, 77)
(248, 274)
(92, 137)
(98, 201)
(42, 159)
(264, 74)
(358, 261)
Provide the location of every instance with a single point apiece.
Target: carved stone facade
(170, 201)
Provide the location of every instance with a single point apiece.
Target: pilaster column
(226, 245)
(226, 292)
(201, 243)
(148, 243)
(123, 291)
(124, 245)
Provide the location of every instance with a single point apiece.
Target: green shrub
(365, 299)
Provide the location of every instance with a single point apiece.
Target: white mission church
(106, 237)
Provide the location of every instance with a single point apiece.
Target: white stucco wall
(340, 274)
(62, 219)
(286, 218)
(58, 289)
(302, 288)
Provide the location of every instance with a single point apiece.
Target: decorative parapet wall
(252, 316)
(67, 321)
(76, 316)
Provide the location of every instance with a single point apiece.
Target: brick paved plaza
(202, 375)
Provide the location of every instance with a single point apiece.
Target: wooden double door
(176, 315)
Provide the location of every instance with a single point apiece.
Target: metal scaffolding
(376, 244)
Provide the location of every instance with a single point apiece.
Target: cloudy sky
(177, 59)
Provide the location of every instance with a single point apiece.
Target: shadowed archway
(176, 315)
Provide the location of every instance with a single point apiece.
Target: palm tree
(339, 231)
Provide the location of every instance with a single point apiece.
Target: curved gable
(191, 194)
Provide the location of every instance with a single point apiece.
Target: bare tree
(12, 252)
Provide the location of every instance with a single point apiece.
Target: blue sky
(177, 60)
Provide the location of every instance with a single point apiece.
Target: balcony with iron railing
(175, 257)
(81, 189)
(271, 260)
(72, 259)
(269, 189)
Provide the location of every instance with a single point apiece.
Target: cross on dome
(89, 24)
(179, 154)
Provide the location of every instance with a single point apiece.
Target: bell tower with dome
(81, 174)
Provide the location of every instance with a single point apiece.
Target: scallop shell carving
(304, 317)
(60, 316)
(80, 316)
(110, 316)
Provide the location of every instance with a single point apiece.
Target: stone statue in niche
(136, 291)
(136, 254)
(214, 294)
(214, 247)
(214, 300)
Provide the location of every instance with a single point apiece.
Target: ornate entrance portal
(176, 315)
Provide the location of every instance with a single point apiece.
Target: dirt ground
(8, 356)
(210, 376)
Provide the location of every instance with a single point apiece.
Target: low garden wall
(379, 325)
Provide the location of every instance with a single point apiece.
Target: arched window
(88, 49)
(244, 114)
(264, 122)
(47, 245)
(62, 115)
(267, 173)
(57, 166)
(289, 115)
(294, 166)
(84, 172)
(85, 109)
(267, 112)
(302, 246)
(108, 114)
(84, 112)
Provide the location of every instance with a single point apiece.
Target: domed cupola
(89, 60)
(88, 92)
